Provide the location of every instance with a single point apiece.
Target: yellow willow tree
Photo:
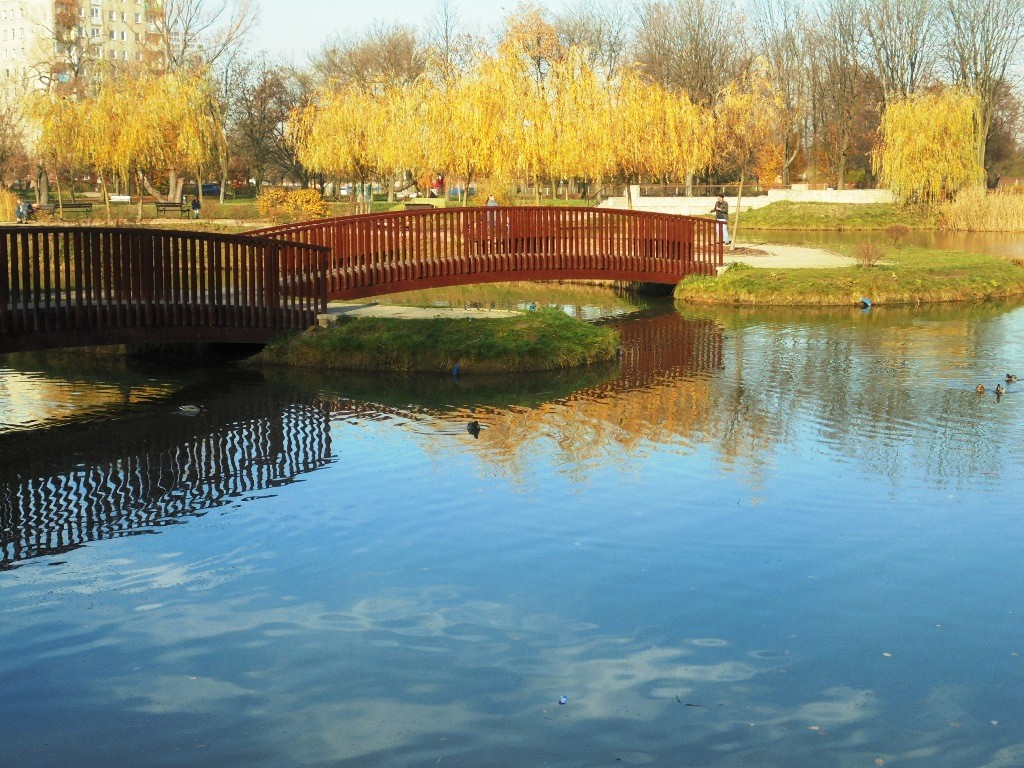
(656, 132)
(927, 146)
(524, 128)
(749, 117)
(401, 121)
(59, 129)
(466, 123)
(186, 98)
(181, 130)
(336, 133)
(579, 140)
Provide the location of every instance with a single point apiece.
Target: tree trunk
(106, 195)
(140, 177)
(736, 217)
(43, 185)
(57, 180)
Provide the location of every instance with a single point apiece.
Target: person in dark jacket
(721, 211)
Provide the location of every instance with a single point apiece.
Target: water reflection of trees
(891, 393)
(63, 487)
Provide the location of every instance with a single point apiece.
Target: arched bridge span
(74, 286)
(375, 254)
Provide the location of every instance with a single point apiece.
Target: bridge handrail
(101, 280)
(400, 250)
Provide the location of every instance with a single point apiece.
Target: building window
(138, 18)
(113, 16)
(95, 13)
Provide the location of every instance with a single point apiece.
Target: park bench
(171, 207)
(50, 210)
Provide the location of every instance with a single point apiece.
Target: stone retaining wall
(698, 206)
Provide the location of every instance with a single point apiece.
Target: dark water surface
(764, 539)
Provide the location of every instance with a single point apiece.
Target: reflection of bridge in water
(63, 487)
(110, 479)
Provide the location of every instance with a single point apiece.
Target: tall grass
(978, 210)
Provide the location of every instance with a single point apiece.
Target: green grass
(534, 341)
(907, 276)
(834, 216)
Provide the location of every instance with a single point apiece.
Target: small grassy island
(545, 340)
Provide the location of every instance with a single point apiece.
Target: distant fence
(69, 286)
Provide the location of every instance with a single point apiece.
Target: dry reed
(979, 210)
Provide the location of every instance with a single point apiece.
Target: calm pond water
(763, 539)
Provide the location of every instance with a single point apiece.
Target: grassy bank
(534, 341)
(835, 217)
(906, 276)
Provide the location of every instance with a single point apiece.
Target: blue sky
(292, 29)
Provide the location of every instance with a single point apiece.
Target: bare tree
(980, 43)
(265, 95)
(780, 36)
(384, 55)
(200, 32)
(602, 29)
(899, 42)
(696, 46)
(838, 81)
(451, 49)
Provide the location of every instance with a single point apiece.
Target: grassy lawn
(534, 341)
(907, 276)
(833, 216)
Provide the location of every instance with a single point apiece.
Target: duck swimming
(999, 390)
(980, 389)
(1010, 378)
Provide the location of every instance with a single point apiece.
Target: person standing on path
(721, 211)
(195, 206)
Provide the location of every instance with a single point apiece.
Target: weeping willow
(926, 150)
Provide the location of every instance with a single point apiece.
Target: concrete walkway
(767, 256)
(337, 309)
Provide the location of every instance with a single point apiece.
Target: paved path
(767, 256)
(336, 309)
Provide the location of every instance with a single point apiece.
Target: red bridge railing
(374, 254)
(70, 286)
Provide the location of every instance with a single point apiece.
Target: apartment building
(43, 40)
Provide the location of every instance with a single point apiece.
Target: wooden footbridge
(74, 286)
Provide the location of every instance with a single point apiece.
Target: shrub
(868, 253)
(8, 204)
(897, 232)
(281, 205)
